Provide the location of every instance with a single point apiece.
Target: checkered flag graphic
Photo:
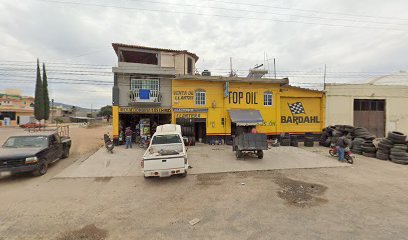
(296, 108)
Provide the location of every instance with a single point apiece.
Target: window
(166, 139)
(267, 99)
(139, 57)
(200, 97)
(189, 66)
(153, 85)
(369, 105)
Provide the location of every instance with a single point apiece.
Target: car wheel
(260, 154)
(184, 174)
(238, 154)
(41, 170)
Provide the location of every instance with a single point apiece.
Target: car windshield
(166, 139)
(26, 141)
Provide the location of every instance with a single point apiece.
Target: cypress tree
(45, 94)
(39, 97)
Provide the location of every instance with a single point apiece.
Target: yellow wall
(248, 96)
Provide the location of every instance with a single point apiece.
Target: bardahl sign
(297, 109)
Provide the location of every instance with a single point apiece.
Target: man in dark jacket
(342, 143)
(128, 134)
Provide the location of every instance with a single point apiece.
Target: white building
(380, 104)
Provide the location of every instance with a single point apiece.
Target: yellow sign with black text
(145, 110)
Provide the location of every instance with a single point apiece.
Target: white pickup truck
(166, 154)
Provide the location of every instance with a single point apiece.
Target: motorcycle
(108, 143)
(348, 155)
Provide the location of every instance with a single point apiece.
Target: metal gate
(370, 114)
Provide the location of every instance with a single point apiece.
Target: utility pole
(274, 66)
(231, 74)
(324, 78)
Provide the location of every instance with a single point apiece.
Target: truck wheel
(65, 153)
(42, 169)
(260, 154)
(183, 175)
(238, 153)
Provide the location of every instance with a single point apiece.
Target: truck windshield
(26, 141)
(166, 139)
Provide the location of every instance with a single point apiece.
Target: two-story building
(15, 109)
(143, 85)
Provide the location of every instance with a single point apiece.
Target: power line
(218, 15)
(273, 13)
(307, 10)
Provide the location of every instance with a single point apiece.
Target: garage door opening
(370, 114)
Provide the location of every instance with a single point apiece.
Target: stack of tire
(309, 140)
(384, 149)
(368, 149)
(187, 130)
(325, 138)
(294, 142)
(285, 139)
(398, 153)
(360, 132)
(356, 146)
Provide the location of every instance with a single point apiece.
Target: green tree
(45, 94)
(105, 111)
(39, 96)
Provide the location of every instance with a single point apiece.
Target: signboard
(300, 114)
(191, 115)
(188, 110)
(144, 110)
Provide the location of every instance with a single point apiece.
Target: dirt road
(366, 201)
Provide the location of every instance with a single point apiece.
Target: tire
(384, 146)
(368, 149)
(309, 144)
(43, 168)
(386, 141)
(332, 153)
(65, 153)
(349, 159)
(260, 154)
(183, 175)
(382, 156)
(238, 154)
(371, 155)
(400, 158)
(397, 136)
(399, 161)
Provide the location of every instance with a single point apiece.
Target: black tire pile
(398, 152)
(384, 149)
(187, 130)
(309, 140)
(285, 139)
(294, 142)
(356, 145)
(368, 149)
(360, 139)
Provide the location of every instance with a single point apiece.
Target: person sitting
(341, 144)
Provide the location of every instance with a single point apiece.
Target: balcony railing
(154, 97)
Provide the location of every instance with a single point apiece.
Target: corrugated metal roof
(117, 45)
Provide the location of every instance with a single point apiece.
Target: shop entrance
(195, 128)
(144, 124)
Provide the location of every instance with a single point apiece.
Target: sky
(356, 40)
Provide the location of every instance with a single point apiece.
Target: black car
(33, 153)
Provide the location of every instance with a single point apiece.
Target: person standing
(254, 131)
(128, 134)
(341, 145)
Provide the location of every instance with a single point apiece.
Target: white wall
(340, 100)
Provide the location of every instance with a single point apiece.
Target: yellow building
(217, 106)
(14, 108)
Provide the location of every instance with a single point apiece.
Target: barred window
(267, 99)
(150, 84)
(200, 97)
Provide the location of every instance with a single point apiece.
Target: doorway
(370, 114)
